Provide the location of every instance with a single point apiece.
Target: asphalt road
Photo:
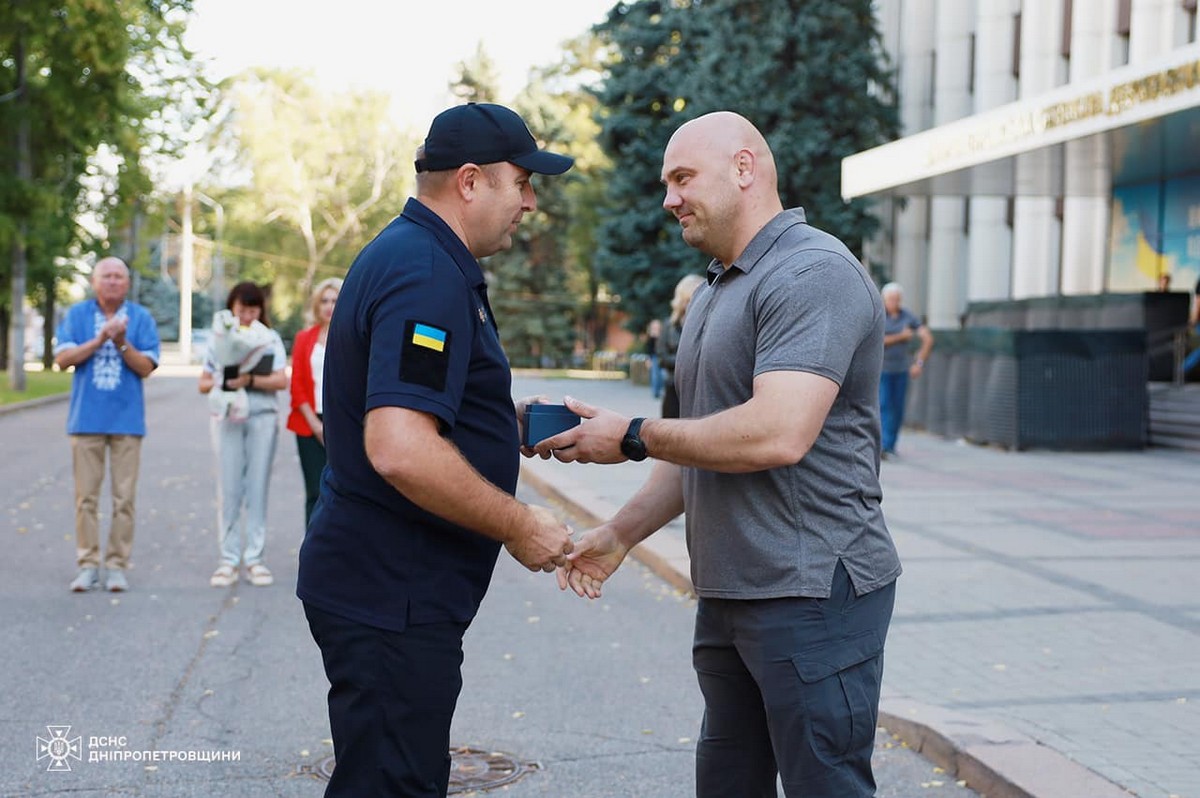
(165, 685)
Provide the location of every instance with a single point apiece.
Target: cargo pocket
(841, 681)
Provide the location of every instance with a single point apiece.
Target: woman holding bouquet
(245, 446)
(308, 365)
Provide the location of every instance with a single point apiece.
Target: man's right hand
(598, 556)
(544, 544)
(114, 328)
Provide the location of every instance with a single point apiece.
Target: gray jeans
(245, 452)
(791, 685)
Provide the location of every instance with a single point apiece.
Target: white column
(989, 242)
(1182, 26)
(916, 114)
(1035, 228)
(1151, 28)
(889, 14)
(1088, 174)
(952, 100)
(880, 249)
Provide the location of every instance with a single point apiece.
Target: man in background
(900, 365)
(113, 345)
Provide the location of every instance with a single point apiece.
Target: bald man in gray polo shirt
(776, 461)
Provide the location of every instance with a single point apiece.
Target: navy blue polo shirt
(413, 329)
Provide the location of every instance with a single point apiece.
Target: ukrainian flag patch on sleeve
(429, 337)
(425, 355)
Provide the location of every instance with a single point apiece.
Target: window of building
(1189, 8)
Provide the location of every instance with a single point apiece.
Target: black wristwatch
(632, 445)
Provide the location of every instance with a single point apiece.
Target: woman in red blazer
(308, 366)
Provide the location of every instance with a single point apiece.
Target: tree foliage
(477, 79)
(321, 173)
(541, 288)
(76, 75)
(810, 74)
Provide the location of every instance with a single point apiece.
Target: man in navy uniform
(423, 454)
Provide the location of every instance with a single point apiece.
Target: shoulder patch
(425, 355)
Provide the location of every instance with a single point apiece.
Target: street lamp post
(186, 269)
(217, 288)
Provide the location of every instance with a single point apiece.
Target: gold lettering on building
(1118, 100)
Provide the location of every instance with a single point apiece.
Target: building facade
(1049, 148)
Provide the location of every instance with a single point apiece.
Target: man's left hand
(596, 440)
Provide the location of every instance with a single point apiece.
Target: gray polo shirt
(796, 300)
(895, 356)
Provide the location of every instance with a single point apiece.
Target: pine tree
(639, 253)
(810, 74)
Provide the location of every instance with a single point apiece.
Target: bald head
(721, 183)
(722, 135)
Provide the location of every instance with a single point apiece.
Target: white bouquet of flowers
(236, 350)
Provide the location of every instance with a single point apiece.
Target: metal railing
(1173, 340)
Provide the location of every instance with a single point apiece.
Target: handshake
(546, 543)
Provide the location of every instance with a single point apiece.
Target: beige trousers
(88, 454)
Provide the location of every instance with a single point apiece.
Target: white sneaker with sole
(259, 575)
(224, 576)
(87, 579)
(116, 582)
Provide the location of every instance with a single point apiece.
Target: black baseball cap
(483, 133)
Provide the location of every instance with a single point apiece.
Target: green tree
(639, 254)
(530, 283)
(810, 74)
(75, 74)
(476, 80)
(834, 101)
(325, 172)
(541, 289)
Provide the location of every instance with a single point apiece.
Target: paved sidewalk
(1047, 628)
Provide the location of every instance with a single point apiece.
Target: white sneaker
(224, 576)
(87, 579)
(116, 582)
(259, 575)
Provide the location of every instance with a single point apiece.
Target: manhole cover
(471, 770)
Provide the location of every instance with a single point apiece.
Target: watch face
(633, 448)
(632, 445)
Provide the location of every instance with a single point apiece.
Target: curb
(167, 369)
(993, 760)
(29, 404)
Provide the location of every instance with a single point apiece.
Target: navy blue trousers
(791, 688)
(391, 698)
(893, 392)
